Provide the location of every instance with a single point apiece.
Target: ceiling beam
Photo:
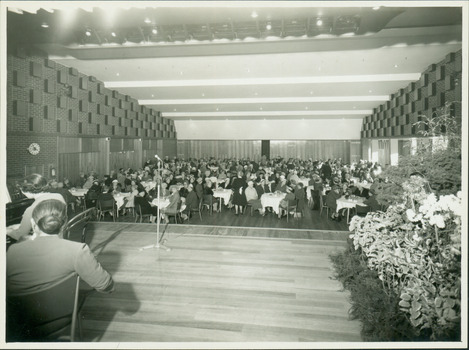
(265, 81)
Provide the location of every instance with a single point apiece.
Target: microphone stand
(158, 218)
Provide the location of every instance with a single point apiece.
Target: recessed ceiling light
(44, 25)
(88, 33)
(147, 20)
(395, 66)
(117, 74)
(319, 22)
(260, 108)
(254, 14)
(152, 95)
(113, 34)
(376, 8)
(268, 26)
(154, 31)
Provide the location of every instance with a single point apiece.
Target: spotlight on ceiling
(44, 25)
(147, 20)
(154, 31)
(268, 26)
(113, 34)
(88, 33)
(254, 14)
(319, 22)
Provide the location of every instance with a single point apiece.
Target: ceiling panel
(289, 60)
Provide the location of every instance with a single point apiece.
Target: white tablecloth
(222, 193)
(80, 192)
(119, 198)
(272, 200)
(164, 202)
(366, 185)
(148, 185)
(349, 203)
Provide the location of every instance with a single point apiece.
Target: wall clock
(34, 148)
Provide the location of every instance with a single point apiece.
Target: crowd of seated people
(249, 180)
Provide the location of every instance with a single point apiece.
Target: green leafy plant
(437, 159)
(416, 250)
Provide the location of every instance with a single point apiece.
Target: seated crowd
(189, 184)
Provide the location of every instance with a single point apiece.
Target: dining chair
(78, 224)
(291, 208)
(323, 206)
(47, 314)
(207, 201)
(139, 213)
(106, 206)
(176, 215)
(90, 199)
(196, 210)
(246, 208)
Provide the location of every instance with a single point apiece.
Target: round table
(119, 198)
(79, 192)
(164, 202)
(224, 194)
(351, 202)
(272, 200)
(148, 185)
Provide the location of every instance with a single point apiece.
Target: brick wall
(46, 100)
(439, 83)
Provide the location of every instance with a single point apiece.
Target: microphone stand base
(156, 246)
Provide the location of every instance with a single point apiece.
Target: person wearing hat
(371, 202)
(89, 182)
(199, 189)
(192, 202)
(252, 197)
(286, 202)
(331, 201)
(282, 184)
(116, 187)
(239, 197)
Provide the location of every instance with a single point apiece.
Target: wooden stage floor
(311, 220)
(218, 284)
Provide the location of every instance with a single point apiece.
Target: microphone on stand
(157, 157)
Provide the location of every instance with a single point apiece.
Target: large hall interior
(208, 159)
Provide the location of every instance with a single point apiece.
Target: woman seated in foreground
(36, 186)
(43, 259)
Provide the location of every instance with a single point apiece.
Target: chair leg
(80, 332)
